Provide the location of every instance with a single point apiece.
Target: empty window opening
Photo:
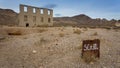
(25, 9)
(41, 11)
(49, 20)
(42, 19)
(34, 18)
(25, 17)
(34, 10)
(27, 24)
(48, 12)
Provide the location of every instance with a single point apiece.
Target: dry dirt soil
(56, 47)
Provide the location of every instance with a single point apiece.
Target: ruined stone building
(33, 16)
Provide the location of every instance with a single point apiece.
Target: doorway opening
(27, 24)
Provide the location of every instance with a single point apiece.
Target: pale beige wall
(38, 16)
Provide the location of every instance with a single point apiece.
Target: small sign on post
(91, 47)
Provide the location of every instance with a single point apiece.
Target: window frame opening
(41, 11)
(25, 9)
(34, 10)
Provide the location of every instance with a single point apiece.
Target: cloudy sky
(108, 9)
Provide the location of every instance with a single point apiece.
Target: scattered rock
(41, 67)
(34, 51)
(104, 67)
(2, 38)
(91, 63)
(118, 61)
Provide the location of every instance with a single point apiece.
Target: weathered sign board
(91, 47)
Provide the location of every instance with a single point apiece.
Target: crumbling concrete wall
(30, 16)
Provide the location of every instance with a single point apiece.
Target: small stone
(91, 63)
(2, 38)
(104, 67)
(41, 67)
(34, 51)
(118, 60)
(56, 44)
(46, 62)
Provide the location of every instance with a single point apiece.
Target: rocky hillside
(82, 20)
(8, 17)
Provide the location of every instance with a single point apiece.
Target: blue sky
(108, 9)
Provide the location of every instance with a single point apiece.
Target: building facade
(30, 16)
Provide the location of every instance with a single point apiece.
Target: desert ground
(56, 47)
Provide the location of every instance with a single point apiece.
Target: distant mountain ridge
(10, 17)
(83, 20)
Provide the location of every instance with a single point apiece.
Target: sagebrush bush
(85, 29)
(77, 31)
(61, 34)
(15, 33)
(43, 40)
(95, 34)
(62, 29)
(42, 30)
(79, 47)
(108, 28)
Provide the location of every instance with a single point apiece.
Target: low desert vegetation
(61, 34)
(41, 41)
(108, 28)
(79, 47)
(43, 25)
(56, 45)
(85, 29)
(2, 38)
(15, 33)
(63, 28)
(76, 31)
(42, 30)
(95, 34)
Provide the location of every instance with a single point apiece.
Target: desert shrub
(2, 38)
(89, 57)
(42, 30)
(95, 34)
(92, 27)
(63, 28)
(108, 28)
(85, 29)
(61, 34)
(79, 47)
(46, 25)
(77, 31)
(15, 33)
(24, 37)
(42, 40)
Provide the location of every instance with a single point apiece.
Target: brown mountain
(8, 17)
(82, 20)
